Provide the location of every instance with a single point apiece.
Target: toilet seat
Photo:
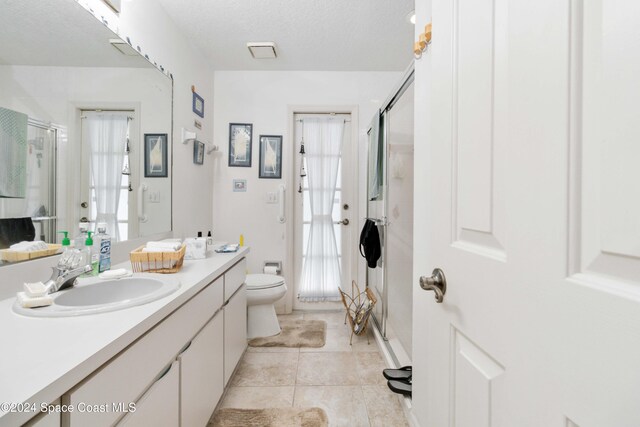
(263, 281)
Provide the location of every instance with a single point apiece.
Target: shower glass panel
(399, 239)
(39, 202)
(391, 280)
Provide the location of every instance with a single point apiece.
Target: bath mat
(270, 417)
(294, 334)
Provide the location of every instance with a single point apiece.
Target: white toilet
(263, 290)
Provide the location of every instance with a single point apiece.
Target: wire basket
(157, 262)
(359, 306)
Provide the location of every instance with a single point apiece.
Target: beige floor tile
(266, 369)
(337, 368)
(360, 342)
(344, 405)
(384, 407)
(272, 350)
(334, 319)
(258, 397)
(370, 366)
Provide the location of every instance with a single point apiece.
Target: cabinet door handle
(185, 348)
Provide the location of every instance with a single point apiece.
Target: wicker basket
(157, 262)
(13, 256)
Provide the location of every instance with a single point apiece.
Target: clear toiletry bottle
(103, 247)
(78, 241)
(209, 241)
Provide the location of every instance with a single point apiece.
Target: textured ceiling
(57, 33)
(372, 35)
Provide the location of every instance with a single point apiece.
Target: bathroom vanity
(166, 362)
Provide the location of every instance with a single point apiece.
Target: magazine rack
(359, 306)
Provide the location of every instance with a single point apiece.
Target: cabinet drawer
(235, 331)
(234, 278)
(127, 376)
(159, 406)
(201, 375)
(51, 419)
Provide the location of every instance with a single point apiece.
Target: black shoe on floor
(401, 387)
(403, 373)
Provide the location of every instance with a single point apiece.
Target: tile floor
(346, 381)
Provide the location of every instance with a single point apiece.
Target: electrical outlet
(272, 197)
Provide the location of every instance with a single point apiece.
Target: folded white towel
(166, 246)
(158, 250)
(37, 245)
(31, 302)
(35, 290)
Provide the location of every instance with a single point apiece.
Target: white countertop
(42, 358)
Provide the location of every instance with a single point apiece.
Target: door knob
(84, 205)
(343, 222)
(84, 219)
(437, 283)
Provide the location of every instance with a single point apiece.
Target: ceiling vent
(262, 50)
(124, 47)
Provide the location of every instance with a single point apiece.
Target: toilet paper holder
(276, 264)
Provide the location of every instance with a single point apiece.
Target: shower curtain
(107, 137)
(321, 270)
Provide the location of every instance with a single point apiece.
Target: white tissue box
(196, 248)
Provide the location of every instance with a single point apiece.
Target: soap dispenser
(91, 255)
(67, 254)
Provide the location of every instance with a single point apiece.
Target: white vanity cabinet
(51, 419)
(201, 374)
(160, 405)
(201, 341)
(235, 317)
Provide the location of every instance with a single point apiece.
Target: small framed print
(270, 156)
(240, 137)
(155, 155)
(239, 185)
(198, 152)
(198, 105)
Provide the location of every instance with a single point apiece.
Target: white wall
(265, 98)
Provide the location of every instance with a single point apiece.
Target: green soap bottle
(66, 253)
(92, 254)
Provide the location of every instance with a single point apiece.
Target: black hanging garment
(14, 230)
(370, 243)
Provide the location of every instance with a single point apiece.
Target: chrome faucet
(66, 273)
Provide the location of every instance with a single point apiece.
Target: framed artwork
(240, 137)
(198, 105)
(198, 152)
(155, 155)
(270, 156)
(239, 185)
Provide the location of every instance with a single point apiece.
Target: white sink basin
(102, 296)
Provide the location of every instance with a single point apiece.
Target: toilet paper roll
(270, 270)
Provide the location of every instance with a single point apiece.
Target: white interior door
(342, 216)
(528, 200)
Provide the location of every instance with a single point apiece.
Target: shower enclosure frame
(381, 323)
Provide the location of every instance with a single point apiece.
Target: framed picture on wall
(155, 155)
(198, 105)
(240, 137)
(198, 152)
(270, 156)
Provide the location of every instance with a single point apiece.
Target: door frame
(290, 185)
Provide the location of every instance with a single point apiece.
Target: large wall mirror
(85, 128)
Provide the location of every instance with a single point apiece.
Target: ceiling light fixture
(262, 50)
(124, 47)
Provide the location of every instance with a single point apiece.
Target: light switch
(154, 197)
(272, 197)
